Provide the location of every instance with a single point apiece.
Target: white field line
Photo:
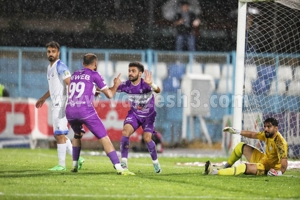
(130, 196)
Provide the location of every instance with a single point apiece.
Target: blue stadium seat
(171, 84)
(261, 86)
(292, 103)
(266, 72)
(176, 70)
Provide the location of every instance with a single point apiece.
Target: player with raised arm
(58, 76)
(142, 112)
(273, 162)
(80, 109)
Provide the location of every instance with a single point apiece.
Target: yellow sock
(240, 169)
(236, 153)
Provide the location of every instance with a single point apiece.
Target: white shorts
(60, 122)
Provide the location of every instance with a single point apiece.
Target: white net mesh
(272, 69)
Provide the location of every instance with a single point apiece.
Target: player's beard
(269, 135)
(133, 78)
(51, 58)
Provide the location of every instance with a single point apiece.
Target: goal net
(272, 69)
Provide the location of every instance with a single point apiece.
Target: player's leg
(69, 145)
(240, 149)
(254, 167)
(76, 144)
(130, 125)
(148, 127)
(152, 151)
(60, 130)
(245, 168)
(231, 171)
(96, 126)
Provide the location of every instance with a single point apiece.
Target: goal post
(268, 69)
(239, 72)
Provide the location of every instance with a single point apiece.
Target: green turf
(24, 175)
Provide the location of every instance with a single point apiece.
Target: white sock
(118, 167)
(69, 146)
(226, 165)
(124, 160)
(61, 152)
(155, 161)
(75, 163)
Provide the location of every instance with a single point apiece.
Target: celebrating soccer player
(58, 76)
(142, 112)
(80, 109)
(273, 162)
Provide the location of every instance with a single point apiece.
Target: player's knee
(78, 136)
(60, 138)
(260, 169)
(125, 133)
(147, 137)
(239, 148)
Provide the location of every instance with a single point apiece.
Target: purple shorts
(93, 123)
(135, 121)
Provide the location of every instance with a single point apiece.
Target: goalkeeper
(273, 162)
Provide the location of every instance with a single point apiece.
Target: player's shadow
(22, 173)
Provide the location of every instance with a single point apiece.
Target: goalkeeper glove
(231, 130)
(273, 172)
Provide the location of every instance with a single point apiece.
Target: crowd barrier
(22, 123)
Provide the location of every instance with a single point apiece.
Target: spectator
(3, 91)
(186, 22)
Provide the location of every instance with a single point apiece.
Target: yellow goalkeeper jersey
(276, 149)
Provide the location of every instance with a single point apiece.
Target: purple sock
(113, 157)
(76, 153)
(152, 150)
(124, 146)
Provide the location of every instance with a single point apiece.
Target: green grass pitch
(24, 175)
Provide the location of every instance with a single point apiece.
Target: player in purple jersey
(80, 109)
(58, 76)
(142, 112)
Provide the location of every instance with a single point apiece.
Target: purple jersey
(140, 97)
(81, 92)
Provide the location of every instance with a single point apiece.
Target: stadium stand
(194, 68)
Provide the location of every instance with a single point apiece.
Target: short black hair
(272, 120)
(138, 65)
(184, 2)
(53, 44)
(89, 58)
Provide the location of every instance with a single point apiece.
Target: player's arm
(148, 80)
(245, 133)
(284, 165)
(110, 92)
(97, 92)
(117, 82)
(67, 81)
(42, 100)
(64, 73)
(249, 134)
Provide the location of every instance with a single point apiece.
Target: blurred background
(122, 31)
(114, 24)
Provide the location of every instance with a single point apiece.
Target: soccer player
(273, 162)
(142, 112)
(58, 76)
(80, 109)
